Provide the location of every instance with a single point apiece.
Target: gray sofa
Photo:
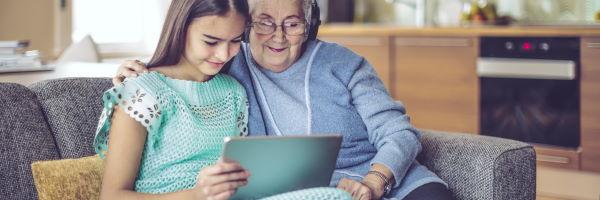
(56, 119)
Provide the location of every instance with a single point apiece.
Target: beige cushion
(85, 50)
(69, 178)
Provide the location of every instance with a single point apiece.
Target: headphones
(315, 21)
(311, 30)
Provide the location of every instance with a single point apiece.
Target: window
(123, 27)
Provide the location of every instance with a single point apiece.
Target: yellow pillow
(69, 178)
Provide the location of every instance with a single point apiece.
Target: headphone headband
(315, 21)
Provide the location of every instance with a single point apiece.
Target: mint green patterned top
(186, 123)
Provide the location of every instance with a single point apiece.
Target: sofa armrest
(480, 167)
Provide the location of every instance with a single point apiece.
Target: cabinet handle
(593, 45)
(433, 42)
(526, 68)
(553, 159)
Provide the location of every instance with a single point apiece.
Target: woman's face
(211, 41)
(276, 51)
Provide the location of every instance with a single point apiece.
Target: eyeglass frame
(283, 27)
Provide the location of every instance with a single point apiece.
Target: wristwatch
(387, 188)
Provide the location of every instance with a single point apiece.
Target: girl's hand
(220, 181)
(358, 190)
(129, 68)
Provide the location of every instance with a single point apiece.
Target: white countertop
(72, 69)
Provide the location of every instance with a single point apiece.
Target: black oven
(529, 89)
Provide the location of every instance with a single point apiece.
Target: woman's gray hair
(305, 5)
(307, 9)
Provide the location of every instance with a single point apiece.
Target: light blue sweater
(287, 113)
(345, 96)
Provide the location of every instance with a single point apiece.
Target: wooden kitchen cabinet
(376, 49)
(590, 104)
(433, 72)
(435, 78)
(46, 24)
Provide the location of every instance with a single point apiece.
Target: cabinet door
(590, 104)
(373, 48)
(436, 79)
(43, 23)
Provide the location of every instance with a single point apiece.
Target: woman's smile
(276, 50)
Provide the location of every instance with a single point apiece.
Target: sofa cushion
(72, 107)
(24, 137)
(68, 178)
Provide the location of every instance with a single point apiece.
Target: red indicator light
(527, 46)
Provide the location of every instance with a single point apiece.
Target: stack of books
(14, 57)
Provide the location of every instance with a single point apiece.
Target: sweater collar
(297, 65)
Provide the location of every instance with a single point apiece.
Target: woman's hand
(376, 185)
(129, 68)
(377, 178)
(220, 181)
(358, 190)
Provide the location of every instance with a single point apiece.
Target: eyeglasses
(290, 27)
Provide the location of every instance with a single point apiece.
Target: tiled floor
(560, 184)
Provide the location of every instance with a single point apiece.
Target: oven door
(534, 101)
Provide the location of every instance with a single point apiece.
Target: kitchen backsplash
(549, 11)
(449, 12)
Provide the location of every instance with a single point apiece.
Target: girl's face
(211, 41)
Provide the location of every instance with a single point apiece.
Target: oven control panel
(551, 48)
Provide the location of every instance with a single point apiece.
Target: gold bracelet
(380, 175)
(387, 187)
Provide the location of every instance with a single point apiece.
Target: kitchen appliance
(529, 89)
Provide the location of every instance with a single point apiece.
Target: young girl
(168, 124)
(161, 133)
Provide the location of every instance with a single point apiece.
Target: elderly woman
(297, 84)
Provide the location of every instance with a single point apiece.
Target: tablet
(279, 164)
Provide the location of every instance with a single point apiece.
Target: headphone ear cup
(314, 30)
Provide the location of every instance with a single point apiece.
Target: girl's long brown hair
(181, 12)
